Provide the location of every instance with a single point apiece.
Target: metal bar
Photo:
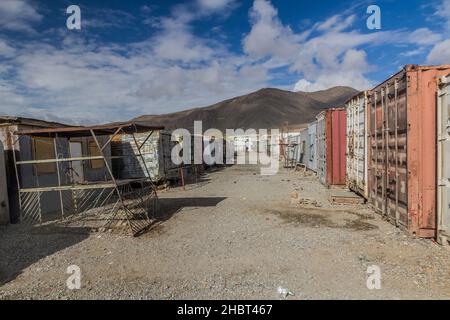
(66, 159)
(80, 186)
(112, 137)
(17, 173)
(146, 139)
(59, 176)
(397, 213)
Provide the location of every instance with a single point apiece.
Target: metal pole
(17, 173)
(112, 137)
(397, 214)
(59, 176)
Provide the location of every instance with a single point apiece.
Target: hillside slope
(266, 108)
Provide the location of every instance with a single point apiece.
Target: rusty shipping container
(402, 152)
(356, 155)
(443, 161)
(331, 129)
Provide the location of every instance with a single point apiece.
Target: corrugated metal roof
(12, 120)
(108, 129)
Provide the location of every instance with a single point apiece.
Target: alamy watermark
(374, 277)
(73, 282)
(235, 146)
(73, 22)
(374, 20)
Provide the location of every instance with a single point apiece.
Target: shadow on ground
(171, 206)
(22, 246)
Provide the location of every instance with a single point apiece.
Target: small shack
(9, 125)
(68, 171)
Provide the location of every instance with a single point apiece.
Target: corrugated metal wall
(335, 121)
(312, 132)
(357, 144)
(443, 161)
(321, 148)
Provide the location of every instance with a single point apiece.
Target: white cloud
(18, 15)
(424, 36)
(347, 71)
(336, 23)
(443, 11)
(326, 59)
(214, 5)
(268, 37)
(106, 18)
(440, 54)
(5, 49)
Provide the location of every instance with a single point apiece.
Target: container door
(443, 164)
(321, 150)
(76, 151)
(312, 162)
(396, 155)
(378, 165)
(336, 145)
(350, 144)
(360, 136)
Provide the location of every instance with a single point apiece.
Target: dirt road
(235, 235)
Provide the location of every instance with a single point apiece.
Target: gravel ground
(235, 235)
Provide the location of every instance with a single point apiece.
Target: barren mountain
(266, 108)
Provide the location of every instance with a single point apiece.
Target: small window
(94, 152)
(44, 149)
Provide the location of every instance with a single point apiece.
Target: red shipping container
(402, 148)
(334, 141)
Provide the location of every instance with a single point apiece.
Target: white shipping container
(443, 165)
(356, 154)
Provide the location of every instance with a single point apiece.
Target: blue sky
(152, 57)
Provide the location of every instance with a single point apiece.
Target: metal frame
(130, 200)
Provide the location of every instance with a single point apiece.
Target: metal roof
(107, 129)
(12, 120)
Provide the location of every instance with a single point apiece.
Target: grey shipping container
(356, 153)
(443, 165)
(321, 148)
(294, 151)
(304, 147)
(312, 158)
